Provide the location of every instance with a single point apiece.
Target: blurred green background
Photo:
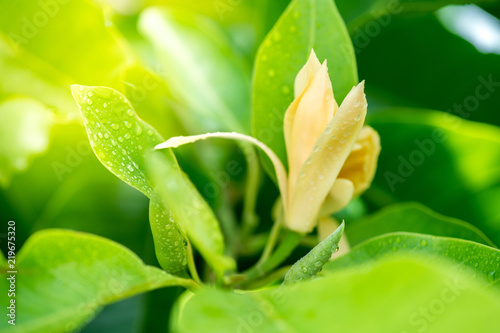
(174, 59)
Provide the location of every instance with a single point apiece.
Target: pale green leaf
(353, 300)
(192, 213)
(201, 69)
(472, 258)
(64, 278)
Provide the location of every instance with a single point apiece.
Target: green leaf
(45, 44)
(170, 246)
(305, 25)
(192, 213)
(313, 262)
(414, 295)
(24, 133)
(472, 258)
(357, 13)
(120, 140)
(197, 63)
(447, 163)
(412, 217)
(118, 137)
(65, 277)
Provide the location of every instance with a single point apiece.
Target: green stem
(192, 264)
(289, 243)
(271, 241)
(249, 218)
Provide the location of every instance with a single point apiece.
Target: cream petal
(278, 166)
(306, 74)
(361, 164)
(339, 197)
(314, 112)
(326, 226)
(321, 169)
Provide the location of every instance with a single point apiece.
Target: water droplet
(357, 118)
(89, 102)
(81, 88)
(90, 94)
(423, 242)
(356, 103)
(115, 126)
(323, 253)
(99, 135)
(120, 139)
(308, 161)
(138, 130)
(342, 141)
(476, 264)
(304, 269)
(127, 124)
(328, 130)
(109, 163)
(105, 105)
(130, 112)
(130, 168)
(492, 277)
(337, 249)
(318, 263)
(127, 136)
(150, 132)
(316, 149)
(139, 147)
(113, 142)
(106, 135)
(320, 176)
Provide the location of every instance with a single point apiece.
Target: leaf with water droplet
(173, 260)
(116, 124)
(313, 262)
(467, 256)
(121, 155)
(191, 211)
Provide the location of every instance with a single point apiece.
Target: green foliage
(473, 258)
(145, 71)
(65, 277)
(192, 212)
(445, 162)
(412, 217)
(342, 298)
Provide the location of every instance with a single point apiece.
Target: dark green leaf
(412, 217)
